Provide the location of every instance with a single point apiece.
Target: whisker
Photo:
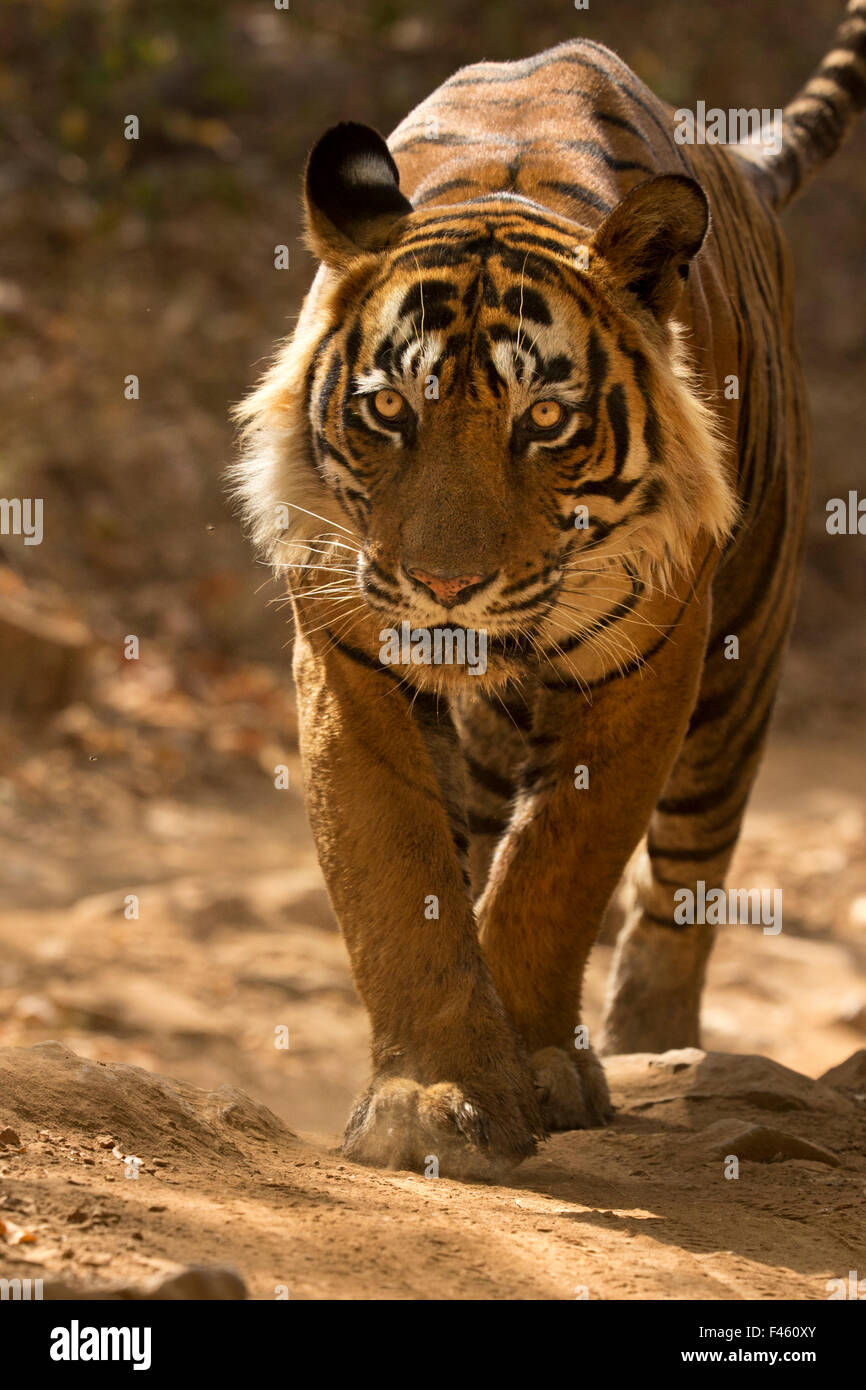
(330, 569)
(601, 642)
(520, 317)
(343, 632)
(326, 520)
(331, 540)
(629, 617)
(325, 592)
(420, 336)
(328, 622)
(563, 656)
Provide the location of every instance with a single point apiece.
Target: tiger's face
(493, 401)
(482, 423)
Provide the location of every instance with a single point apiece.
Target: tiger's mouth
(503, 632)
(510, 620)
(458, 645)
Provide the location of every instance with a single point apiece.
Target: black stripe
(617, 410)
(695, 854)
(438, 189)
(635, 664)
(328, 386)
(488, 777)
(848, 79)
(579, 193)
(485, 825)
(617, 490)
(711, 708)
(517, 713)
(717, 796)
(324, 446)
(642, 375)
(315, 362)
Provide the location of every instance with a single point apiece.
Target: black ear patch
(352, 189)
(649, 238)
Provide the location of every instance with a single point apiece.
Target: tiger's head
(483, 401)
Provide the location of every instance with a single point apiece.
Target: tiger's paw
(572, 1088)
(399, 1123)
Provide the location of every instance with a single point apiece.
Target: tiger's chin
(455, 681)
(452, 656)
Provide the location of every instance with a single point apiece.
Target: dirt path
(642, 1210)
(235, 940)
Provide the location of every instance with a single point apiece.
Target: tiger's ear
(650, 237)
(352, 192)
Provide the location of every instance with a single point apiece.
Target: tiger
(543, 400)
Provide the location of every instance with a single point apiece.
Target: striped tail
(819, 118)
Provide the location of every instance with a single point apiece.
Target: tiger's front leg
(451, 1080)
(588, 789)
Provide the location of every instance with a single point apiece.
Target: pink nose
(447, 588)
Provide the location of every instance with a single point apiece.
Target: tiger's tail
(821, 115)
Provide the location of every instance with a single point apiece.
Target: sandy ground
(239, 1164)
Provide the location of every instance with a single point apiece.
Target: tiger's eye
(388, 404)
(546, 414)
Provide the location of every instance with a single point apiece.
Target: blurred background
(155, 777)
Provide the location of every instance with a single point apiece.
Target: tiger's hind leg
(657, 976)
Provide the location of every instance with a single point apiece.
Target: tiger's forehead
(504, 224)
(484, 258)
(507, 317)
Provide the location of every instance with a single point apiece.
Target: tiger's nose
(449, 589)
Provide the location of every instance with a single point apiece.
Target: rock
(194, 1282)
(9, 1139)
(303, 986)
(850, 1075)
(150, 1114)
(44, 654)
(857, 912)
(292, 895)
(203, 907)
(643, 1079)
(33, 1008)
(760, 1143)
(853, 1014)
(139, 1005)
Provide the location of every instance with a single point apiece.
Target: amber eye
(389, 404)
(545, 414)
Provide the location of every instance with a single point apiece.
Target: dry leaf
(15, 1235)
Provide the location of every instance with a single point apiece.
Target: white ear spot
(366, 169)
